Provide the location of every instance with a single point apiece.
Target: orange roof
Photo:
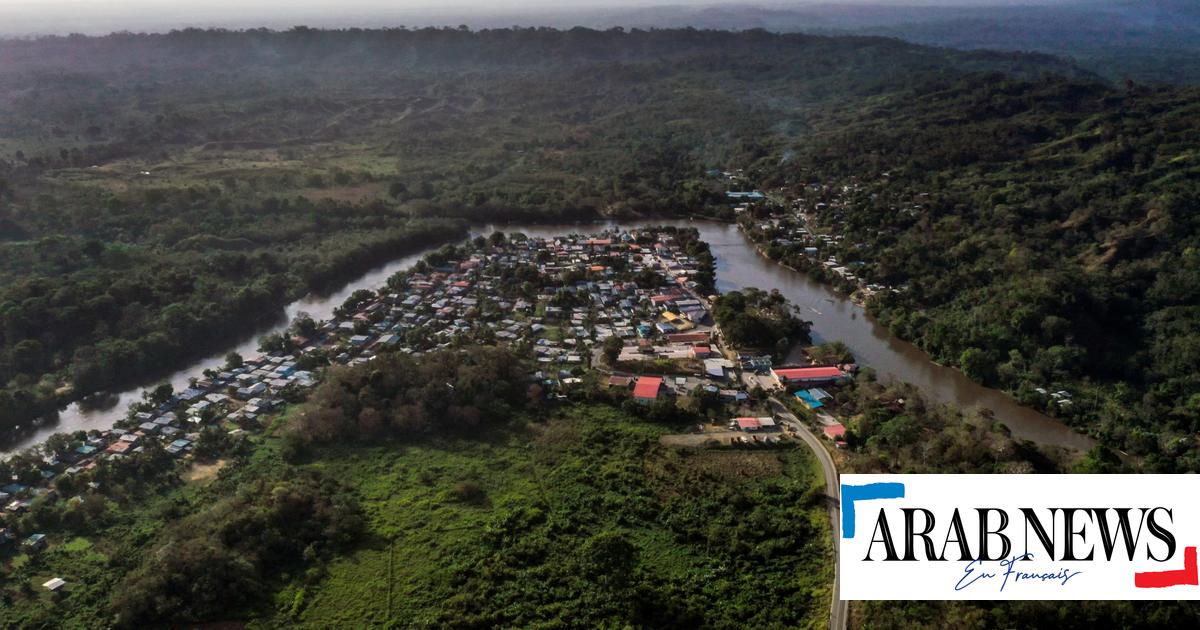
(808, 373)
(647, 387)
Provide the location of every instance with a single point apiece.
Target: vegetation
(397, 395)
(582, 519)
(510, 515)
(894, 429)
(217, 560)
(145, 546)
(756, 319)
(1040, 234)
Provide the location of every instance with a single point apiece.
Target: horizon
(26, 18)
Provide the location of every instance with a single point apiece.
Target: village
(627, 311)
(805, 229)
(811, 226)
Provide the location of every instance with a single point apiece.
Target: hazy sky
(31, 17)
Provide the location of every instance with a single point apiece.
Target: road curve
(837, 607)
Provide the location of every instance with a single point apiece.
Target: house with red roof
(834, 432)
(690, 337)
(647, 388)
(808, 376)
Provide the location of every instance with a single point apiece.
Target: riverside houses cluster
(558, 301)
(812, 227)
(555, 299)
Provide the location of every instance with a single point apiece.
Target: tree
(977, 365)
(612, 349)
(233, 361)
(304, 325)
(160, 394)
(212, 443)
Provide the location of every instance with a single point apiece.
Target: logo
(909, 537)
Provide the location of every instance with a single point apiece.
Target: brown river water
(833, 317)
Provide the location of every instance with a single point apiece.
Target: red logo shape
(1188, 575)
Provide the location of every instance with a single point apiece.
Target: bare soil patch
(204, 472)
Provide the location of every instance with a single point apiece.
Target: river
(739, 265)
(78, 417)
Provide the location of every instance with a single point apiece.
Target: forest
(1043, 237)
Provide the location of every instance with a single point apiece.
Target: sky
(38, 17)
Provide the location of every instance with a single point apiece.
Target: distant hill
(1153, 40)
(1147, 41)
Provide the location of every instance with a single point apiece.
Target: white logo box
(1157, 508)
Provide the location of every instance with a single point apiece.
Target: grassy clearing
(497, 529)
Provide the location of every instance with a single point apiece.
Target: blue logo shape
(850, 494)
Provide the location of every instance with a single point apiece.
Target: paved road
(837, 607)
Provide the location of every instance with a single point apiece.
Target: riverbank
(855, 297)
(74, 413)
(1000, 404)
(739, 264)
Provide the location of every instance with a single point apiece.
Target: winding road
(837, 607)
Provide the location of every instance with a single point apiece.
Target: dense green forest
(1043, 235)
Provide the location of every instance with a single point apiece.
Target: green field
(518, 529)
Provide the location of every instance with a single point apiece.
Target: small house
(35, 542)
(647, 388)
(834, 432)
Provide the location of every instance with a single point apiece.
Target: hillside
(161, 189)
(1043, 235)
